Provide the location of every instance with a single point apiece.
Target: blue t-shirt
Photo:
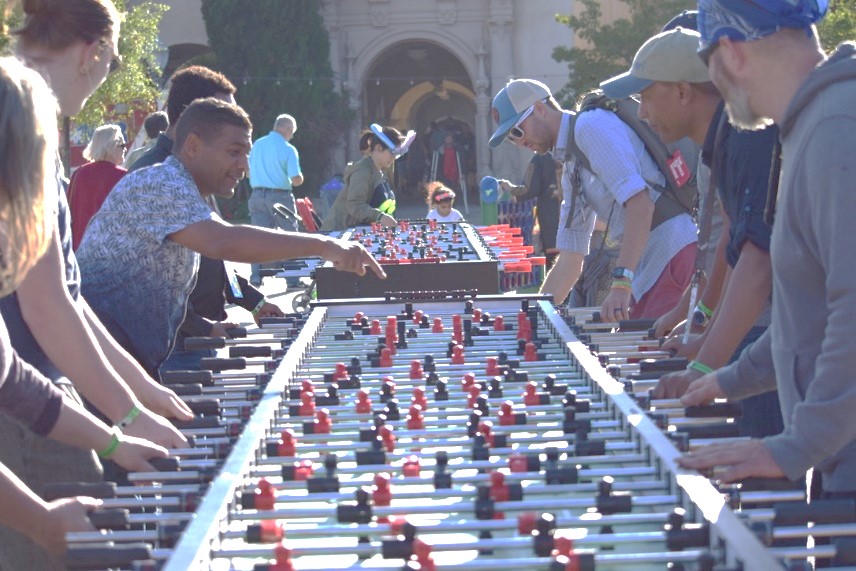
(137, 279)
(20, 335)
(743, 167)
(273, 162)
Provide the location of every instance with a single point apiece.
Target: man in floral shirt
(141, 251)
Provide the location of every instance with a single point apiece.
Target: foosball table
(431, 430)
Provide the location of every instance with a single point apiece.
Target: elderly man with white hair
(766, 60)
(274, 173)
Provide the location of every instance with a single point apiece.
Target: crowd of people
(102, 278)
(150, 227)
(749, 83)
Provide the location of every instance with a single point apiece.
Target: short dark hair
(205, 118)
(365, 139)
(392, 133)
(155, 123)
(194, 82)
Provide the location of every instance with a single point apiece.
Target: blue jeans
(762, 415)
(262, 214)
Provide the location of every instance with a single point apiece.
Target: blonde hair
(102, 143)
(28, 166)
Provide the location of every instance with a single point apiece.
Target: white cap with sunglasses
(396, 150)
(513, 104)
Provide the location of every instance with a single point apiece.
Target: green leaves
(133, 85)
(277, 53)
(608, 49)
(838, 25)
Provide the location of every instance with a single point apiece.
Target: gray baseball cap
(669, 56)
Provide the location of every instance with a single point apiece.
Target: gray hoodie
(808, 352)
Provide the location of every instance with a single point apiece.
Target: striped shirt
(620, 168)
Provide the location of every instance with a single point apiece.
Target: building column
(500, 28)
(353, 87)
(483, 121)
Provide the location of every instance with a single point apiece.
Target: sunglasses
(516, 134)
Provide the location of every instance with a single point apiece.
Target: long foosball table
(431, 430)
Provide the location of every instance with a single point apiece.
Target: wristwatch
(619, 272)
(699, 318)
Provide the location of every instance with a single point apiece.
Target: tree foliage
(839, 24)
(277, 53)
(134, 84)
(11, 16)
(611, 47)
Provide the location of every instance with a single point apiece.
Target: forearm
(563, 275)
(22, 509)
(637, 227)
(753, 373)
(743, 301)
(77, 427)
(127, 368)
(681, 310)
(714, 287)
(60, 328)
(251, 295)
(251, 244)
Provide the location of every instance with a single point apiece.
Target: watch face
(699, 318)
(621, 272)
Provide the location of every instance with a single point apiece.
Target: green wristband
(259, 307)
(700, 367)
(704, 309)
(114, 444)
(129, 418)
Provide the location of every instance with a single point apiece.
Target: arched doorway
(423, 86)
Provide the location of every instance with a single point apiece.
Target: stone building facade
(411, 63)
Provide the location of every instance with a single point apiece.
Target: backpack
(676, 161)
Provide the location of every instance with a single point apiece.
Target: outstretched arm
(249, 244)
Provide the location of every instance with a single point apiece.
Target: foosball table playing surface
(431, 431)
(416, 255)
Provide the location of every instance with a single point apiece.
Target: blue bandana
(747, 20)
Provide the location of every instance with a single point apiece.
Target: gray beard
(737, 106)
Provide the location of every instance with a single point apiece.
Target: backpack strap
(706, 216)
(665, 208)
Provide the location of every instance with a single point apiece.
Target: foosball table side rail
(731, 540)
(193, 552)
(701, 499)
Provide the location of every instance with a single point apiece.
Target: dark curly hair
(191, 83)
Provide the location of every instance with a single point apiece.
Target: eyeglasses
(121, 144)
(516, 134)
